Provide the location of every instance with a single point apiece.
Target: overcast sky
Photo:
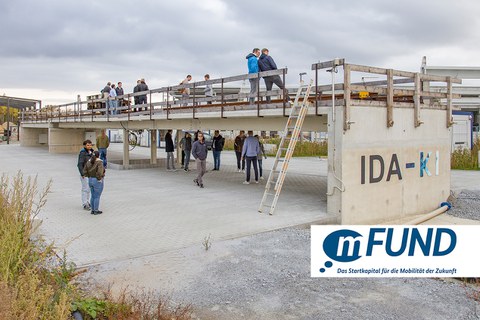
(55, 49)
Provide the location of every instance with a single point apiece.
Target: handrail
(420, 92)
(169, 100)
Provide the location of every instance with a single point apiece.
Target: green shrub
(465, 159)
(31, 286)
(302, 148)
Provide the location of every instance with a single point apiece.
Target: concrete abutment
(378, 174)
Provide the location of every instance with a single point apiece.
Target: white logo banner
(395, 251)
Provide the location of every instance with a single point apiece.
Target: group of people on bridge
(257, 61)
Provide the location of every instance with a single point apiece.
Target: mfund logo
(348, 245)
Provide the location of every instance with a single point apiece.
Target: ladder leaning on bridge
(290, 136)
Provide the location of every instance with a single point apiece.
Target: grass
(31, 287)
(466, 159)
(302, 149)
(35, 283)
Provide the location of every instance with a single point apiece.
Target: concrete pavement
(152, 211)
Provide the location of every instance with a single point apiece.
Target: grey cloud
(78, 46)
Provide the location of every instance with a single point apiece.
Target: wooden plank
(383, 82)
(406, 74)
(403, 92)
(328, 64)
(429, 77)
(367, 69)
(390, 98)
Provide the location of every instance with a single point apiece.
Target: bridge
(389, 139)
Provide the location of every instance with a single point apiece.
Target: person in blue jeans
(250, 150)
(261, 154)
(102, 144)
(217, 148)
(95, 172)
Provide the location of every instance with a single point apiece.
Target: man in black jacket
(83, 157)
(266, 63)
(169, 148)
(217, 147)
(143, 98)
(136, 99)
(119, 90)
(186, 145)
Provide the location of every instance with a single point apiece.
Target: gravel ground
(466, 205)
(267, 276)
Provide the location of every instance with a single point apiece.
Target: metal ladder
(290, 135)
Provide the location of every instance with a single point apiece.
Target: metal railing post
(258, 95)
(221, 115)
(316, 91)
(193, 102)
(168, 105)
(150, 104)
(284, 93)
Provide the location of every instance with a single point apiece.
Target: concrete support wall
(384, 174)
(126, 150)
(65, 140)
(178, 150)
(153, 146)
(33, 137)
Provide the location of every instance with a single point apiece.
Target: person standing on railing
(266, 63)
(143, 98)
(185, 91)
(119, 91)
(252, 63)
(208, 90)
(112, 101)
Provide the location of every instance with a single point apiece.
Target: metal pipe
(443, 207)
(333, 70)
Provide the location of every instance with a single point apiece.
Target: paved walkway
(151, 211)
